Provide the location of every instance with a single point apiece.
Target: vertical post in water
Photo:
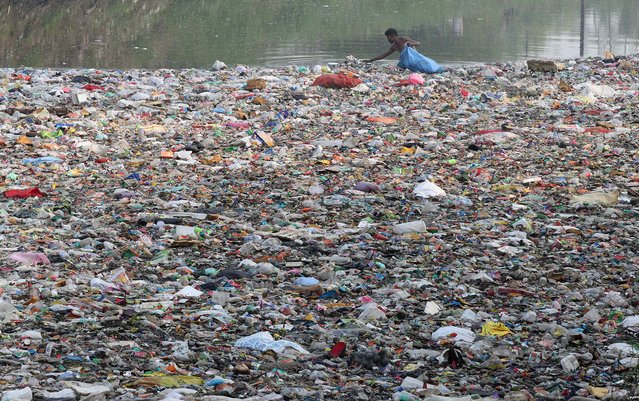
(582, 29)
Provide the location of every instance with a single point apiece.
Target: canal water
(194, 33)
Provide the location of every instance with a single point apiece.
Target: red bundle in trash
(336, 81)
(91, 88)
(337, 350)
(24, 193)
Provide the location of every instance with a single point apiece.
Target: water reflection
(193, 33)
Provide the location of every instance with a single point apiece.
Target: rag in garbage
(337, 81)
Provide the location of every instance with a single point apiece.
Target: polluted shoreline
(342, 232)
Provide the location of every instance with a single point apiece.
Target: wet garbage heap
(240, 233)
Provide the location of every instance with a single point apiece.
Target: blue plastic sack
(411, 59)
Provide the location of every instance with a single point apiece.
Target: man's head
(391, 35)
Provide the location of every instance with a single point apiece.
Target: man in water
(397, 44)
(409, 58)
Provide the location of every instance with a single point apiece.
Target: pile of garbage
(240, 233)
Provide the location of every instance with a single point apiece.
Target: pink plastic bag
(416, 79)
(30, 258)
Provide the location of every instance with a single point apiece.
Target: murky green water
(194, 33)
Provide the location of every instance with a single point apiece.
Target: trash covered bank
(239, 233)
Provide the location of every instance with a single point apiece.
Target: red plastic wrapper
(92, 88)
(337, 350)
(24, 193)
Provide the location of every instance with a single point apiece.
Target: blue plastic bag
(413, 60)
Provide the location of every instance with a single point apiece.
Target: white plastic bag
(427, 190)
(461, 334)
(411, 227)
(264, 341)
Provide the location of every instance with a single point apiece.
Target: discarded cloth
(336, 81)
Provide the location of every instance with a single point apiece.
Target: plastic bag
(24, 193)
(89, 389)
(597, 198)
(169, 381)
(42, 160)
(631, 322)
(410, 227)
(411, 59)
(495, 329)
(336, 81)
(432, 308)
(218, 66)
(416, 79)
(30, 258)
(62, 395)
(598, 91)
(371, 312)
(264, 341)
(456, 333)
(8, 312)
(306, 281)
(189, 292)
(427, 190)
(569, 363)
(23, 394)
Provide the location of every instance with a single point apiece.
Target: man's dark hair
(391, 32)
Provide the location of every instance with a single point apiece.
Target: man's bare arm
(381, 56)
(412, 43)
